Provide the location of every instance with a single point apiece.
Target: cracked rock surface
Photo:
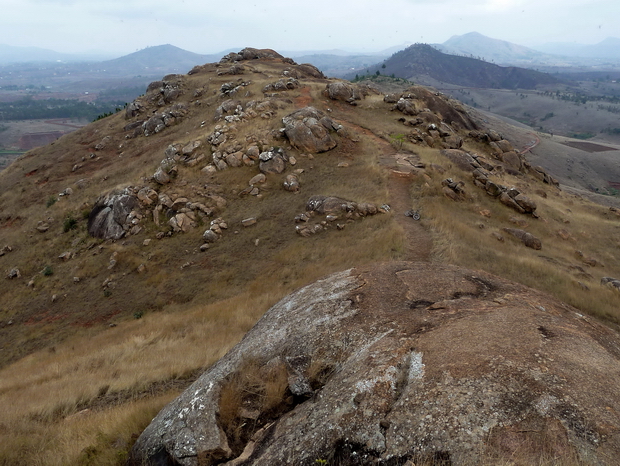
(407, 361)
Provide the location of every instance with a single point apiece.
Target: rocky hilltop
(169, 228)
(201, 158)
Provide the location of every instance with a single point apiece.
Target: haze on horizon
(120, 27)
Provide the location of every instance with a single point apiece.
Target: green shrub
(47, 270)
(69, 224)
(51, 201)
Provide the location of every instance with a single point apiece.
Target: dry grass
(199, 305)
(250, 398)
(463, 237)
(110, 373)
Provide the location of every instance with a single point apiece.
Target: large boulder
(308, 129)
(460, 158)
(344, 91)
(311, 70)
(110, 217)
(402, 362)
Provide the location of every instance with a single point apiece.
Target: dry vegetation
(567, 224)
(74, 390)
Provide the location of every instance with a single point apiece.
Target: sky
(120, 27)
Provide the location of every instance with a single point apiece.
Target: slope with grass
(98, 334)
(421, 62)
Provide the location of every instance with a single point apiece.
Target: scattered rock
(281, 85)
(42, 226)
(209, 236)
(460, 158)
(526, 238)
(272, 162)
(182, 222)
(248, 221)
(453, 190)
(590, 261)
(565, 235)
(13, 273)
(329, 205)
(103, 143)
(161, 176)
(258, 179)
(508, 201)
(291, 183)
(65, 256)
(610, 282)
(497, 236)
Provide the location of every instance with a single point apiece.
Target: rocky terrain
(401, 363)
(219, 192)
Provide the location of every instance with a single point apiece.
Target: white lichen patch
(545, 403)
(416, 367)
(389, 377)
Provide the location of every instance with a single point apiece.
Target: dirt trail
(304, 98)
(531, 146)
(419, 242)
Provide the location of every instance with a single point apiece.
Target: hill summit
(138, 250)
(423, 62)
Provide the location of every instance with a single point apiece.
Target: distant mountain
(424, 64)
(157, 60)
(476, 45)
(151, 59)
(145, 65)
(11, 54)
(608, 49)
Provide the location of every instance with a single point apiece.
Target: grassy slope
(124, 374)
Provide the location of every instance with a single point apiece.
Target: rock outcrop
(308, 129)
(345, 91)
(402, 362)
(111, 216)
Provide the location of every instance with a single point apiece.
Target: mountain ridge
(142, 247)
(422, 61)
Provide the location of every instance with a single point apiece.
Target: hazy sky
(120, 27)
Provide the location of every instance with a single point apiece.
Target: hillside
(138, 250)
(424, 64)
